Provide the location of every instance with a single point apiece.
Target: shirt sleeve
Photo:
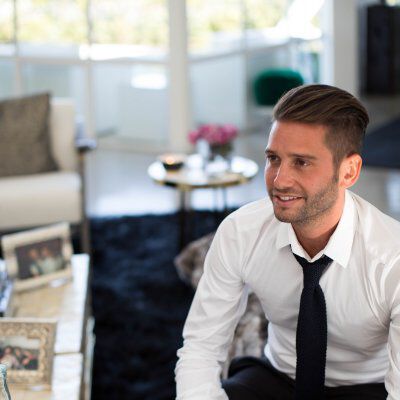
(392, 291)
(219, 302)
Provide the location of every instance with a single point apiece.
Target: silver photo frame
(39, 256)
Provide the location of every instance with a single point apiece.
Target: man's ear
(350, 170)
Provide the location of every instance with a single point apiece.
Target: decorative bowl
(172, 161)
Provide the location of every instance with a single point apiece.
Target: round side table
(193, 175)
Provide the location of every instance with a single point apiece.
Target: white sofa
(35, 200)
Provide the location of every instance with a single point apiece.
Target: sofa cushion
(24, 136)
(52, 197)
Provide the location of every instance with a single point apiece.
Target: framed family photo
(39, 256)
(27, 349)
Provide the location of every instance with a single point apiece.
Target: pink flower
(193, 136)
(214, 134)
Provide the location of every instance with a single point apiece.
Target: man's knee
(251, 378)
(237, 391)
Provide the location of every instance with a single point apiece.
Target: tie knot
(312, 271)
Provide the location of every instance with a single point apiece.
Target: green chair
(271, 84)
(4, 392)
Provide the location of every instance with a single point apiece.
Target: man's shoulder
(252, 216)
(380, 232)
(370, 217)
(254, 209)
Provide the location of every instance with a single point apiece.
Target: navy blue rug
(139, 304)
(382, 146)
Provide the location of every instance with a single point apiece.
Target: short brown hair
(344, 116)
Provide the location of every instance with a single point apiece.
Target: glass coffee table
(194, 175)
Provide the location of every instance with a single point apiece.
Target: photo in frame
(27, 350)
(38, 256)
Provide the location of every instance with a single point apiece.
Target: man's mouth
(286, 199)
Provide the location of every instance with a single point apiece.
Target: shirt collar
(340, 243)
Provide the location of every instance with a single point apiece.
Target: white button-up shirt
(253, 250)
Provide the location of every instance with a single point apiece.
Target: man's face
(299, 173)
(33, 254)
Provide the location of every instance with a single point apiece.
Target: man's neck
(315, 235)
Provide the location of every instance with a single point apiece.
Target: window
(127, 28)
(6, 27)
(52, 28)
(263, 19)
(109, 56)
(214, 25)
(112, 58)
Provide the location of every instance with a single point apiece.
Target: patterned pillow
(24, 136)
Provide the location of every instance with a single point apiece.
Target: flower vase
(220, 150)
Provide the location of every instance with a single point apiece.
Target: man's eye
(272, 158)
(301, 163)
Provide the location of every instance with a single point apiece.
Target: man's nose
(283, 178)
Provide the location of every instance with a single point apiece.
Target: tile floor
(118, 183)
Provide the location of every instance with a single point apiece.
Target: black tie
(311, 334)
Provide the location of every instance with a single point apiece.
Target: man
(324, 263)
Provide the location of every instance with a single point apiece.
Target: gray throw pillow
(24, 136)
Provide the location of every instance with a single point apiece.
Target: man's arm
(392, 291)
(217, 306)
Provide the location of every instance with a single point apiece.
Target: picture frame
(38, 256)
(27, 349)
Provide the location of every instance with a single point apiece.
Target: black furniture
(383, 49)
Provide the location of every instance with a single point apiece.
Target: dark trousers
(251, 378)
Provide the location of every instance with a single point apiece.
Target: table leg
(182, 220)
(185, 216)
(225, 201)
(220, 212)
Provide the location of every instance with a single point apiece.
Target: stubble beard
(314, 208)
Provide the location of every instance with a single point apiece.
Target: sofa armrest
(62, 133)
